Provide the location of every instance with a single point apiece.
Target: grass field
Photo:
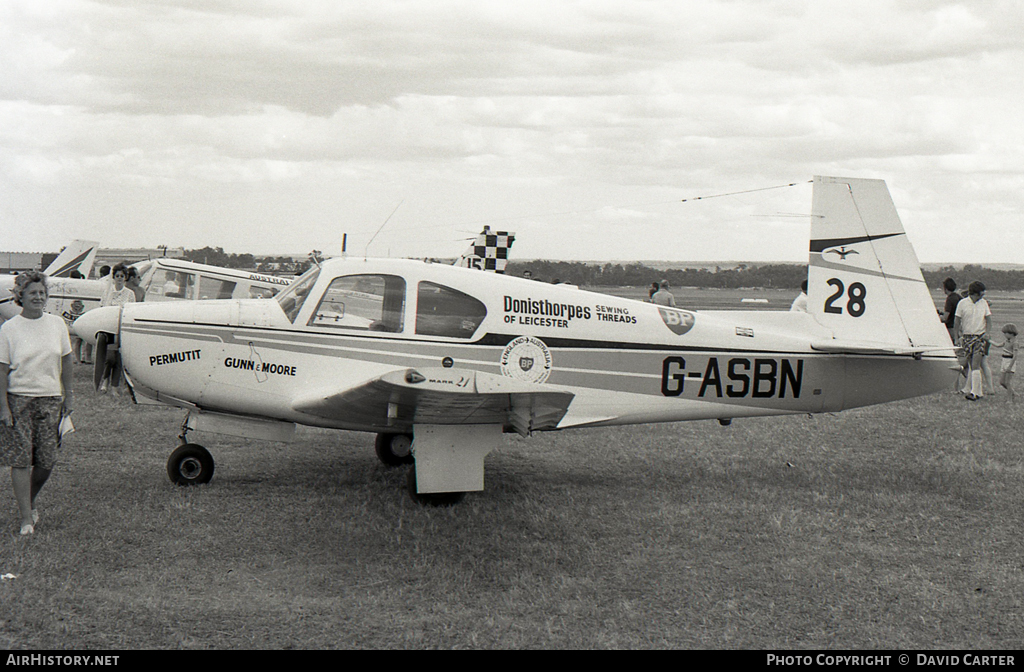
(896, 526)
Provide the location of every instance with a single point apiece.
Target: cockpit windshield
(291, 299)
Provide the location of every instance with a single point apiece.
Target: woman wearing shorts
(35, 391)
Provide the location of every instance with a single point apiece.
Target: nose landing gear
(190, 463)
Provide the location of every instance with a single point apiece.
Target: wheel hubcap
(401, 446)
(190, 468)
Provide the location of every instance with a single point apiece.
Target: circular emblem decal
(526, 358)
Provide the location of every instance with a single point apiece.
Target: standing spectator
(948, 317)
(132, 281)
(1009, 346)
(106, 280)
(972, 324)
(35, 392)
(800, 302)
(663, 297)
(652, 290)
(948, 312)
(118, 295)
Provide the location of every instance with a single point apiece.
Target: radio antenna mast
(367, 248)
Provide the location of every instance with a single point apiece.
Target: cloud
(210, 119)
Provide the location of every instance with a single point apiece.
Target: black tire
(431, 498)
(394, 450)
(190, 464)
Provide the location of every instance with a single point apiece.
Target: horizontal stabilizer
(837, 346)
(439, 396)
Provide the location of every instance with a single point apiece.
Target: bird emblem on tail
(842, 252)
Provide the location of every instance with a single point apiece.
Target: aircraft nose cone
(98, 319)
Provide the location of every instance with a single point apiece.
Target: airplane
(71, 297)
(162, 279)
(439, 362)
(78, 256)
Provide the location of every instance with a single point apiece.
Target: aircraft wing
(405, 397)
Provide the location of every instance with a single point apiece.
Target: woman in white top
(35, 392)
(118, 295)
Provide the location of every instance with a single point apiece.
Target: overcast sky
(275, 126)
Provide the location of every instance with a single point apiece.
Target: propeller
(99, 355)
(99, 326)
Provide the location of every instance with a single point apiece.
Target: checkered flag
(489, 252)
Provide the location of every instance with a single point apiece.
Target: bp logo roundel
(678, 321)
(526, 358)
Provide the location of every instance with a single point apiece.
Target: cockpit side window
(443, 311)
(362, 302)
(291, 299)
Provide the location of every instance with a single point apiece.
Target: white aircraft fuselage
(451, 357)
(624, 361)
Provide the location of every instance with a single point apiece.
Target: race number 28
(855, 298)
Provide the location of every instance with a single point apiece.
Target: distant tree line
(216, 256)
(993, 278)
(778, 276)
(783, 276)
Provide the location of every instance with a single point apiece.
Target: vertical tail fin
(864, 279)
(78, 256)
(489, 252)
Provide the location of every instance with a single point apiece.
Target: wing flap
(404, 397)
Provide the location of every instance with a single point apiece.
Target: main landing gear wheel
(394, 450)
(190, 464)
(431, 498)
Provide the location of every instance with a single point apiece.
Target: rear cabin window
(167, 284)
(214, 288)
(362, 302)
(256, 292)
(443, 311)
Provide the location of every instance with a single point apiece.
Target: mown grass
(889, 527)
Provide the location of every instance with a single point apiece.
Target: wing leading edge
(438, 396)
